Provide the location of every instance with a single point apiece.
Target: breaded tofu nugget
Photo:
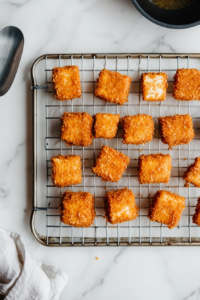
(120, 206)
(76, 129)
(106, 125)
(137, 129)
(113, 87)
(66, 170)
(154, 86)
(196, 216)
(154, 168)
(187, 84)
(176, 130)
(110, 164)
(77, 209)
(166, 208)
(66, 83)
(192, 174)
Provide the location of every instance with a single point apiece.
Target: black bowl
(178, 19)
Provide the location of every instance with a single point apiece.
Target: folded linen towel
(21, 277)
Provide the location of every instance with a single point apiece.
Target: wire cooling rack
(45, 221)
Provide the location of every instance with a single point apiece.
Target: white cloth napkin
(23, 278)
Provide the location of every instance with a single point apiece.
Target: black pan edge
(171, 26)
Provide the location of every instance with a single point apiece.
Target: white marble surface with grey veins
(86, 26)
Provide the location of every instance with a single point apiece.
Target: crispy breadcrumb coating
(196, 216)
(154, 86)
(110, 164)
(187, 84)
(137, 129)
(154, 168)
(192, 174)
(66, 83)
(112, 87)
(76, 129)
(176, 130)
(166, 208)
(66, 170)
(77, 209)
(106, 125)
(120, 206)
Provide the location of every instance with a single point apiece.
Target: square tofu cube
(112, 87)
(192, 174)
(137, 129)
(154, 86)
(154, 168)
(76, 129)
(187, 84)
(110, 164)
(106, 125)
(196, 216)
(120, 206)
(66, 83)
(77, 209)
(66, 170)
(166, 208)
(176, 130)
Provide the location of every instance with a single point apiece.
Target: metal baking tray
(45, 222)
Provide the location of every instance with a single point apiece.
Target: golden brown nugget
(154, 168)
(66, 170)
(154, 86)
(77, 209)
(176, 130)
(187, 84)
(120, 206)
(192, 174)
(66, 83)
(137, 129)
(76, 129)
(166, 208)
(106, 125)
(110, 164)
(112, 87)
(196, 216)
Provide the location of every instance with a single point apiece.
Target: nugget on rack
(187, 84)
(77, 209)
(176, 130)
(76, 129)
(192, 174)
(66, 170)
(166, 208)
(154, 168)
(106, 125)
(110, 164)
(196, 216)
(66, 83)
(120, 206)
(137, 129)
(112, 87)
(154, 86)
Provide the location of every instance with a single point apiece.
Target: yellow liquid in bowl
(172, 4)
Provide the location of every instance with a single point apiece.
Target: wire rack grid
(45, 221)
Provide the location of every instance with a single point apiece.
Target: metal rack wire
(46, 116)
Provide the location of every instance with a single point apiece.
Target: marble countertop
(86, 26)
